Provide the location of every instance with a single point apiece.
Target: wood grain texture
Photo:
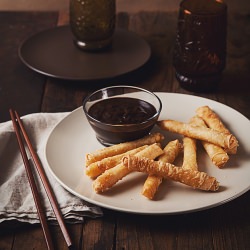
(223, 227)
(20, 88)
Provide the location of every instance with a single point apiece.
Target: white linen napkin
(16, 200)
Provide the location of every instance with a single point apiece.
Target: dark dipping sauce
(123, 110)
(121, 119)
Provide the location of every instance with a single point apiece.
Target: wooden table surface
(223, 227)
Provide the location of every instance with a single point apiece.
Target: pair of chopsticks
(19, 127)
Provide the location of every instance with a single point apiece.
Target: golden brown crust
(97, 168)
(195, 179)
(153, 182)
(111, 176)
(218, 156)
(222, 139)
(190, 151)
(213, 121)
(171, 151)
(151, 186)
(211, 118)
(189, 154)
(122, 148)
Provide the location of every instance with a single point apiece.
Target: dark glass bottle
(92, 23)
(200, 46)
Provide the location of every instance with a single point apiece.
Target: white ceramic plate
(72, 138)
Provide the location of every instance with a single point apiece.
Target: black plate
(53, 53)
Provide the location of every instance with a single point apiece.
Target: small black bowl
(121, 113)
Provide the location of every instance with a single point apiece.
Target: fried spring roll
(171, 151)
(226, 141)
(152, 182)
(213, 121)
(189, 152)
(97, 168)
(218, 156)
(194, 179)
(122, 148)
(111, 176)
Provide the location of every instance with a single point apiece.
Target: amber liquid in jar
(92, 23)
(200, 47)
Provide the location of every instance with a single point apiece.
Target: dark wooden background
(224, 227)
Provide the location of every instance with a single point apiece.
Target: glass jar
(200, 46)
(92, 23)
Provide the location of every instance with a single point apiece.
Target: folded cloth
(16, 200)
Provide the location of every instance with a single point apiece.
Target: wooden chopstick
(46, 184)
(34, 190)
